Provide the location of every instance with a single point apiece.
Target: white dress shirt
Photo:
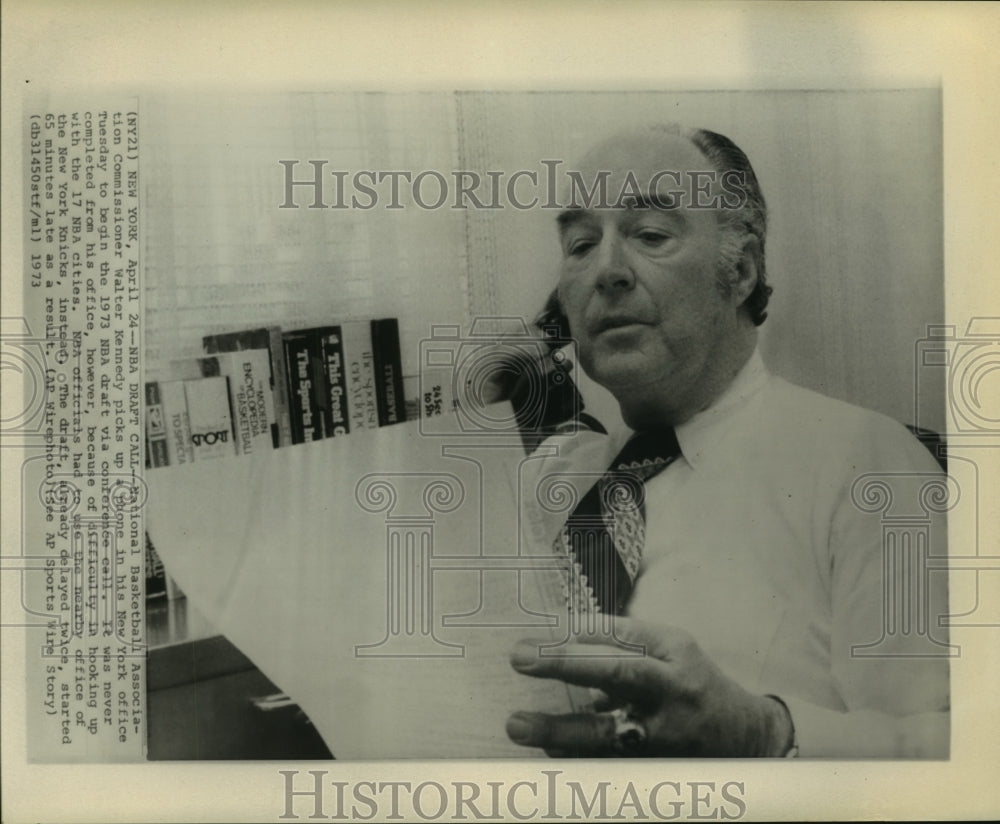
(768, 541)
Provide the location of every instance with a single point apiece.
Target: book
(428, 395)
(249, 374)
(269, 338)
(388, 371)
(158, 440)
(156, 429)
(251, 401)
(156, 578)
(359, 362)
(411, 391)
(210, 416)
(336, 419)
(157, 456)
(302, 364)
(180, 449)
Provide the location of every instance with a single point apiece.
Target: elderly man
(759, 593)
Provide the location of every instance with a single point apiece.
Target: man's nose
(613, 270)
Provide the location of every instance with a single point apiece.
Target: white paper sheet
(379, 579)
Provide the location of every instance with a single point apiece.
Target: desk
(201, 693)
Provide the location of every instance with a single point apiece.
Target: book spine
(249, 374)
(299, 357)
(180, 449)
(411, 391)
(336, 411)
(269, 338)
(319, 385)
(359, 367)
(388, 371)
(428, 395)
(279, 385)
(157, 455)
(211, 417)
(156, 426)
(156, 577)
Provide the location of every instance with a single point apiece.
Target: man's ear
(746, 271)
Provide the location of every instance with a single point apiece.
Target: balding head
(706, 170)
(661, 257)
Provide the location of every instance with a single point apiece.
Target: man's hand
(686, 704)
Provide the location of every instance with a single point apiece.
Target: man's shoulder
(817, 421)
(809, 407)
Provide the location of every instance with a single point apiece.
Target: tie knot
(652, 448)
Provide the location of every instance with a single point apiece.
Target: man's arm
(889, 649)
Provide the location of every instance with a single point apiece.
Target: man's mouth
(606, 324)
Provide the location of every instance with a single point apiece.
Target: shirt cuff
(825, 733)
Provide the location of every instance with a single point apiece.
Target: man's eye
(653, 238)
(579, 247)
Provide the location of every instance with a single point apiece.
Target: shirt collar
(699, 433)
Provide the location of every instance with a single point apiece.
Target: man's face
(640, 285)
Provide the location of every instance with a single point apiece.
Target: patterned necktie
(605, 533)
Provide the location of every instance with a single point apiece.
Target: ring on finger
(630, 732)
